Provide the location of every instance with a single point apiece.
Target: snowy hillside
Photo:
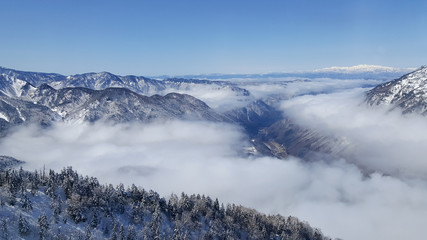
(408, 92)
(65, 205)
(46, 105)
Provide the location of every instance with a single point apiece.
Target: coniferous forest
(48, 205)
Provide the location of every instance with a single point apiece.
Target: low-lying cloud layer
(225, 98)
(376, 138)
(288, 88)
(220, 98)
(206, 158)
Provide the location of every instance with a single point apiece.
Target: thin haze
(190, 36)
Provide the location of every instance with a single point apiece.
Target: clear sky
(199, 36)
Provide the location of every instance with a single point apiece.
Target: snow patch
(3, 116)
(20, 115)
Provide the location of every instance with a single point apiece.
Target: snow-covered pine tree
(43, 225)
(4, 228)
(131, 233)
(23, 226)
(156, 222)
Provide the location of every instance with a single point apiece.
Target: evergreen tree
(43, 225)
(4, 228)
(56, 208)
(95, 221)
(23, 226)
(88, 233)
(156, 223)
(115, 232)
(192, 216)
(26, 203)
(131, 233)
(106, 230)
(122, 235)
(176, 233)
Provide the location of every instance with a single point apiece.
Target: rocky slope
(285, 137)
(254, 116)
(15, 112)
(408, 92)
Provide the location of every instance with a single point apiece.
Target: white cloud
(220, 98)
(223, 98)
(205, 158)
(376, 138)
(288, 88)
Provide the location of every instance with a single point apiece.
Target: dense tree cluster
(49, 205)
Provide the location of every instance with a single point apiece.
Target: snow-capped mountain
(13, 83)
(14, 87)
(44, 97)
(34, 78)
(187, 84)
(408, 92)
(363, 71)
(16, 112)
(45, 105)
(105, 96)
(361, 68)
(116, 104)
(120, 105)
(103, 80)
(13, 80)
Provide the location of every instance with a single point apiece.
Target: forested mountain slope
(65, 205)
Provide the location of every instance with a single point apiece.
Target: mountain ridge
(362, 71)
(363, 68)
(409, 93)
(11, 82)
(60, 205)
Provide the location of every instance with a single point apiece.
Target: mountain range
(355, 72)
(28, 97)
(12, 82)
(57, 208)
(45, 98)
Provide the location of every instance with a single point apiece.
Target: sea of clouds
(338, 197)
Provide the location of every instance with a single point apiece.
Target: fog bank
(206, 158)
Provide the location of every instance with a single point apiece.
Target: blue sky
(196, 36)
